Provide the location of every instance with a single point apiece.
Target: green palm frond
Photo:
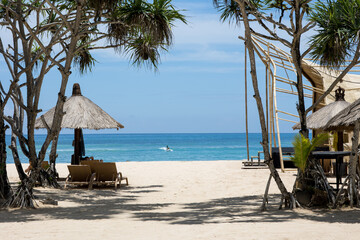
(101, 6)
(83, 59)
(303, 147)
(338, 27)
(142, 29)
(163, 15)
(318, 140)
(230, 10)
(144, 51)
(7, 4)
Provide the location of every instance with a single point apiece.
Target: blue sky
(199, 86)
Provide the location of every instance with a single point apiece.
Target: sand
(176, 200)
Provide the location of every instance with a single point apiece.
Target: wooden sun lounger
(80, 175)
(106, 173)
(90, 163)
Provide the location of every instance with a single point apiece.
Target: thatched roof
(321, 117)
(346, 118)
(81, 112)
(312, 73)
(322, 77)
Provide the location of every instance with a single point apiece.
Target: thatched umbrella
(80, 112)
(321, 117)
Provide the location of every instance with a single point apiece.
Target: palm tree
(302, 151)
(67, 35)
(336, 41)
(337, 37)
(338, 25)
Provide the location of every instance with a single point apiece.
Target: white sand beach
(175, 200)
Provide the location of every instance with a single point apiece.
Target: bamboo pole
(258, 49)
(307, 87)
(287, 120)
(277, 119)
(267, 103)
(246, 108)
(292, 93)
(290, 114)
(282, 64)
(272, 110)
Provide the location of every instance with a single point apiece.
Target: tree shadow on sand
(246, 209)
(86, 205)
(105, 203)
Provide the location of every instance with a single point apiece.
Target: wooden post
(246, 108)
(352, 188)
(272, 124)
(277, 124)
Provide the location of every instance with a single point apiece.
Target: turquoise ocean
(152, 147)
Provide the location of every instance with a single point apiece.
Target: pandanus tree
(296, 15)
(60, 35)
(337, 37)
(337, 41)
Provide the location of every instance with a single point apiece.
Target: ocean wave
(105, 149)
(165, 149)
(63, 150)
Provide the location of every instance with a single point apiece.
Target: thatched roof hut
(81, 112)
(345, 119)
(321, 117)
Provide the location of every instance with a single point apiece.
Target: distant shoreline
(121, 133)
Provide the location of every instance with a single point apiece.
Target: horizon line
(161, 133)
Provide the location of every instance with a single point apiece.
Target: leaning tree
(240, 12)
(293, 21)
(55, 35)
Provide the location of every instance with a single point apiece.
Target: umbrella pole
(77, 133)
(340, 142)
(340, 146)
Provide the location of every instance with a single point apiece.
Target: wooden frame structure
(274, 59)
(279, 69)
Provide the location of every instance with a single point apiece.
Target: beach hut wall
(80, 112)
(322, 77)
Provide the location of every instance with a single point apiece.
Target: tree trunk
(23, 196)
(5, 189)
(296, 56)
(50, 175)
(53, 156)
(353, 186)
(265, 141)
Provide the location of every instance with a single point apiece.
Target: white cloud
(203, 39)
(205, 55)
(193, 69)
(206, 29)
